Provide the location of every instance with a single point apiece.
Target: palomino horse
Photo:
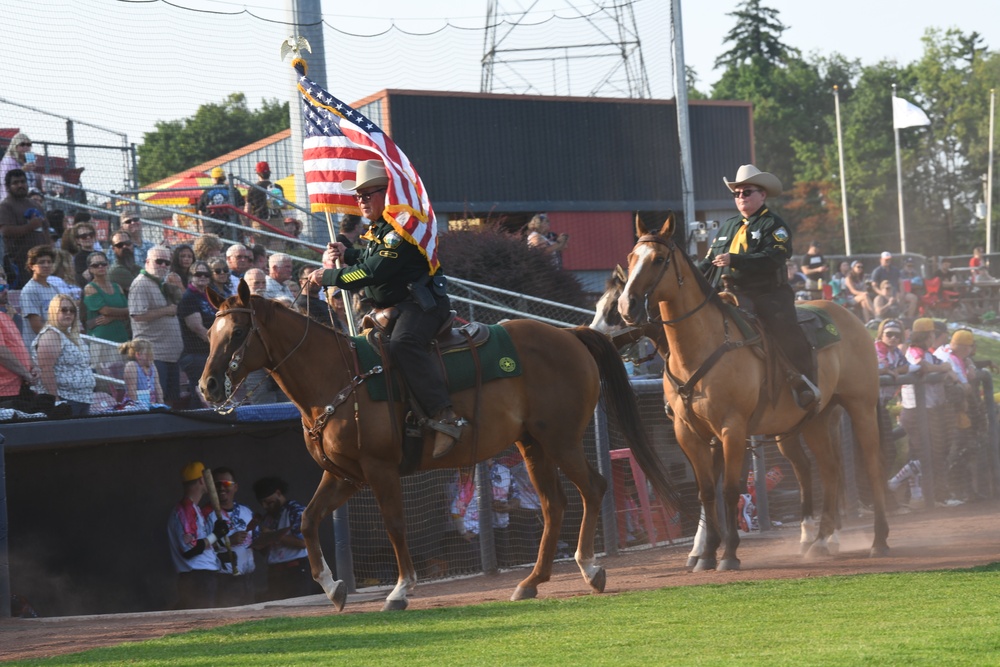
(545, 411)
(725, 402)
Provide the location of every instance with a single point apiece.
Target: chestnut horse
(729, 400)
(545, 411)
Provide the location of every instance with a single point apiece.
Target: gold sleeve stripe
(350, 276)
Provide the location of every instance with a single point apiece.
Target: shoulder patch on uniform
(780, 234)
(388, 253)
(392, 239)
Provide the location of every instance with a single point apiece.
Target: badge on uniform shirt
(388, 253)
(781, 235)
(392, 239)
(755, 235)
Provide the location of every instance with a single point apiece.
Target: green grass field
(929, 618)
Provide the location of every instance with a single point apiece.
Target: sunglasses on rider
(367, 197)
(747, 192)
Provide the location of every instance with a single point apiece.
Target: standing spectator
(541, 236)
(464, 507)
(221, 283)
(857, 286)
(63, 276)
(142, 382)
(886, 270)
(105, 306)
(22, 226)
(934, 442)
(180, 262)
(259, 260)
(238, 590)
(294, 229)
(207, 246)
(15, 362)
(36, 295)
(154, 318)
(240, 260)
(309, 303)
(196, 315)
(280, 537)
(839, 291)
(967, 414)
(526, 519)
(814, 269)
(261, 202)
(124, 269)
(976, 261)
(257, 281)
(350, 230)
(217, 196)
(279, 271)
(131, 223)
(85, 236)
(62, 358)
(191, 534)
(18, 157)
(797, 281)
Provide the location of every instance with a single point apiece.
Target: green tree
(756, 37)
(214, 129)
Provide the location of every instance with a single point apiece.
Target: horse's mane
(233, 302)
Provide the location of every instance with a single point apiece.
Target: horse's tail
(624, 408)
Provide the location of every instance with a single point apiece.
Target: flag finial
(293, 44)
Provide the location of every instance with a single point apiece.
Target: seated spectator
(909, 270)
(976, 261)
(949, 279)
(293, 288)
(63, 359)
(221, 282)
(856, 283)
(886, 304)
(142, 383)
(239, 259)
(886, 270)
(38, 292)
(279, 271)
(207, 246)
(838, 291)
(256, 281)
(196, 315)
(105, 306)
(180, 263)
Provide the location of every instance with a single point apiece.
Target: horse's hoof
(395, 605)
(705, 564)
(817, 550)
(879, 552)
(692, 561)
(598, 581)
(804, 548)
(338, 596)
(524, 593)
(727, 564)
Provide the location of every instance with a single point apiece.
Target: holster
(421, 294)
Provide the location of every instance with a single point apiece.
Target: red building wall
(597, 240)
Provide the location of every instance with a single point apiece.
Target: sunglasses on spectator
(220, 271)
(891, 334)
(162, 262)
(85, 235)
(367, 197)
(248, 258)
(201, 274)
(123, 244)
(745, 193)
(98, 265)
(130, 221)
(64, 310)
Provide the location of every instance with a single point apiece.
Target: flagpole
(843, 180)
(989, 180)
(899, 187)
(348, 311)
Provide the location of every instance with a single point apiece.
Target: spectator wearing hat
(123, 267)
(294, 229)
(968, 415)
(280, 538)
(935, 440)
(215, 196)
(856, 283)
(261, 202)
(191, 535)
(748, 255)
(886, 270)
(22, 226)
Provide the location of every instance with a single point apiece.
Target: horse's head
(647, 265)
(235, 345)
(606, 317)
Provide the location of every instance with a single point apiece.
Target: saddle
(379, 322)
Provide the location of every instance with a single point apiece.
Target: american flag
(336, 138)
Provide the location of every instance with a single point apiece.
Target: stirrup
(808, 396)
(449, 426)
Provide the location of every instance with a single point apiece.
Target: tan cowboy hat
(751, 175)
(370, 172)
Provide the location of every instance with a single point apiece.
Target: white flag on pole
(905, 114)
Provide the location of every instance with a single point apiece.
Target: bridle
(236, 360)
(672, 247)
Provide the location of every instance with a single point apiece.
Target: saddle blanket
(817, 325)
(498, 359)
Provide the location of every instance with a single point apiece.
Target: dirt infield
(935, 539)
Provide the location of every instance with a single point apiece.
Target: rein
(654, 238)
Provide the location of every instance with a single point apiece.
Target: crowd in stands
(123, 325)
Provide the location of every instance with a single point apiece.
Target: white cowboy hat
(751, 175)
(370, 172)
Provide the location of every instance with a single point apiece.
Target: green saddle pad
(497, 357)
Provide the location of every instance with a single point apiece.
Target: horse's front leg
(330, 494)
(383, 477)
(733, 450)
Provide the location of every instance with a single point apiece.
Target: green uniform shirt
(384, 265)
(762, 265)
